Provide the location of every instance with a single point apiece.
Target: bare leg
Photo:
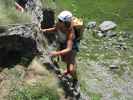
(71, 64)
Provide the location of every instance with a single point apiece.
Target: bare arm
(68, 47)
(49, 30)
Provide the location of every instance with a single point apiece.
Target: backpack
(78, 25)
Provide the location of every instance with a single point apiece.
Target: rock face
(16, 43)
(19, 40)
(19, 43)
(48, 22)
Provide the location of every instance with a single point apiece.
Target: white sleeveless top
(61, 37)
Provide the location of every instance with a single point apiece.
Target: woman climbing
(68, 45)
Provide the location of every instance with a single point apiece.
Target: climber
(20, 5)
(68, 46)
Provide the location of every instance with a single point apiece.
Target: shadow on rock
(16, 50)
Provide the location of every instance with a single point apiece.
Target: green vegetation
(9, 14)
(115, 10)
(95, 96)
(37, 92)
(119, 11)
(97, 54)
(32, 88)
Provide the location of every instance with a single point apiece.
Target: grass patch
(95, 96)
(119, 11)
(38, 92)
(9, 14)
